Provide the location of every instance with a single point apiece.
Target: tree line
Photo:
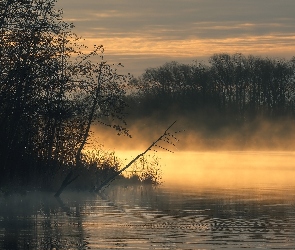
(234, 88)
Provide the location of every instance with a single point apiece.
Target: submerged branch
(67, 181)
(110, 179)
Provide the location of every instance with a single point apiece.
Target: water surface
(226, 200)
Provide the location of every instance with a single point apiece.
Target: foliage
(50, 92)
(231, 89)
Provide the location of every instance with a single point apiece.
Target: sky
(147, 33)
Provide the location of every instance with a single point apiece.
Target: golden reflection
(194, 164)
(246, 169)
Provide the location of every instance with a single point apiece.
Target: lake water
(225, 200)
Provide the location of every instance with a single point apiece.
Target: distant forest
(231, 89)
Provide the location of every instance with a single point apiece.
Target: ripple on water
(246, 223)
(150, 218)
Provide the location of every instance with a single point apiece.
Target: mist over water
(259, 154)
(208, 199)
(221, 189)
(224, 169)
(260, 135)
(143, 217)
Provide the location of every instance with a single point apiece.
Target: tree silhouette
(50, 92)
(233, 89)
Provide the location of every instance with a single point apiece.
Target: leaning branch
(85, 136)
(110, 179)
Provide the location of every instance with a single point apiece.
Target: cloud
(129, 16)
(138, 53)
(185, 28)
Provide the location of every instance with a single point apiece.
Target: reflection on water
(188, 216)
(224, 169)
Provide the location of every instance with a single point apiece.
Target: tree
(50, 92)
(31, 32)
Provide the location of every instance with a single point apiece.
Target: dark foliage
(50, 94)
(229, 91)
